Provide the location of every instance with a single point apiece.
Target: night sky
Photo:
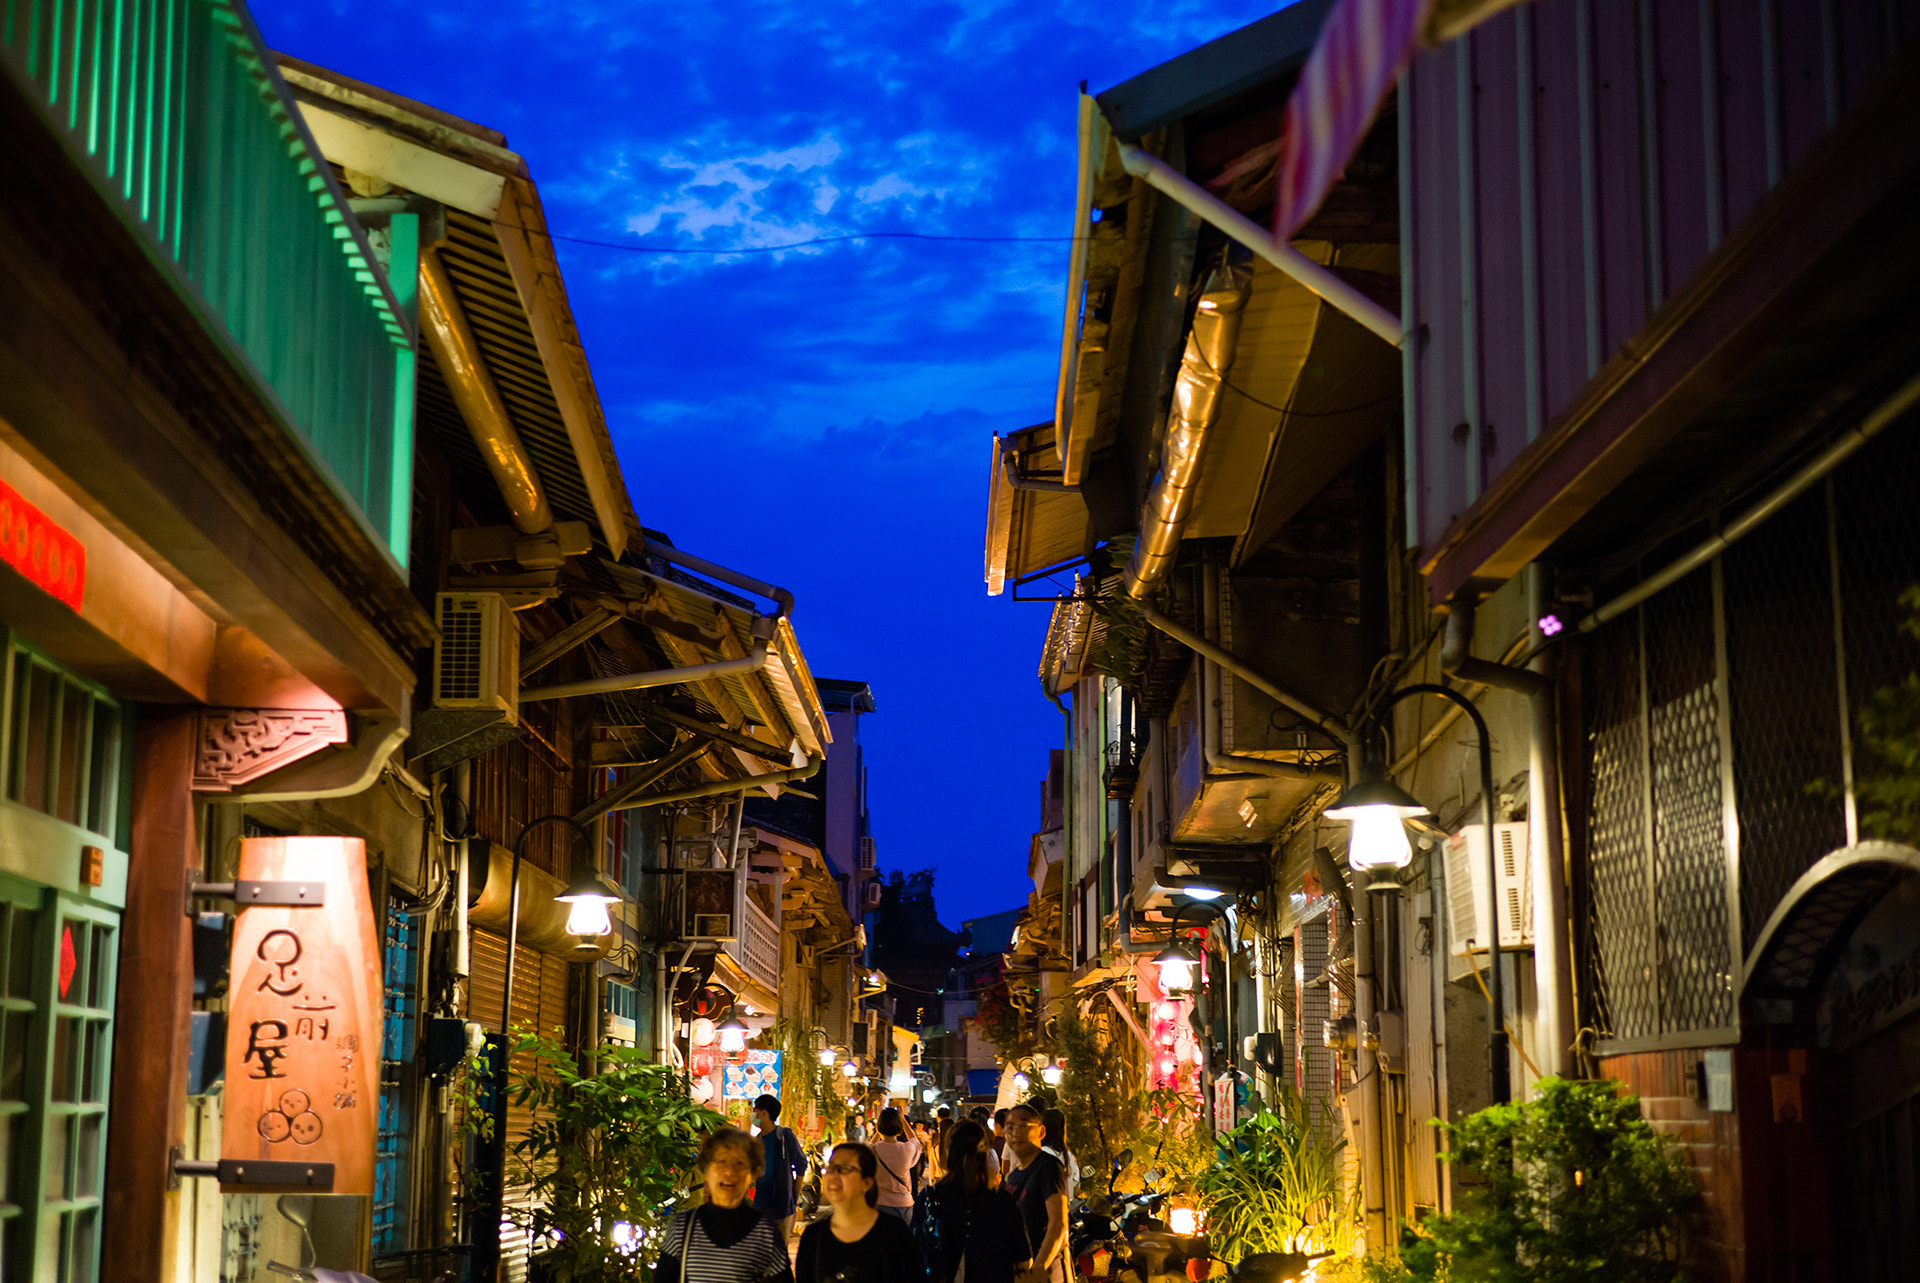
(818, 417)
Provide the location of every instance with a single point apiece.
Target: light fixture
(1184, 1221)
(1176, 970)
(1378, 810)
(1051, 1075)
(826, 1056)
(1203, 894)
(733, 1036)
(1550, 625)
(588, 919)
(929, 1094)
(1020, 1082)
(850, 1069)
(900, 1084)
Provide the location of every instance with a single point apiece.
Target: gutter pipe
(792, 776)
(1238, 227)
(1546, 858)
(1902, 399)
(444, 325)
(1239, 668)
(1196, 405)
(752, 662)
(779, 596)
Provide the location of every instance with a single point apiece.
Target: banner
(754, 1073)
(303, 1016)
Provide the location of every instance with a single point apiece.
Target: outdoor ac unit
(1467, 889)
(866, 855)
(709, 904)
(476, 661)
(871, 897)
(717, 926)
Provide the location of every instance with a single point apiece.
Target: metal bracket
(280, 895)
(235, 1171)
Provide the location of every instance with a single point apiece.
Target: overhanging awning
(1029, 530)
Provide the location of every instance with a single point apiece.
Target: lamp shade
(826, 1056)
(588, 895)
(1377, 810)
(733, 1036)
(850, 1069)
(1176, 970)
(1051, 1075)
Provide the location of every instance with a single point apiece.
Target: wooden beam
(591, 624)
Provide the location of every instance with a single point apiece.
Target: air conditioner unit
(871, 896)
(1467, 889)
(476, 661)
(717, 926)
(709, 904)
(866, 855)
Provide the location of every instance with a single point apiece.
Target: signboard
(754, 1073)
(40, 551)
(303, 1016)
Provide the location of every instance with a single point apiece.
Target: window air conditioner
(1467, 889)
(866, 855)
(871, 897)
(476, 661)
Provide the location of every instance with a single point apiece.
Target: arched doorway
(1836, 970)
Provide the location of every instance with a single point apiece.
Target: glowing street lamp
(827, 1056)
(1051, 1075)
(1378, 811)
(1020, 1082)
(733, 1035)
(1176, 969)
(588, 896)
(851, 1069)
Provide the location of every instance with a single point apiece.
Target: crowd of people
(977, 1199)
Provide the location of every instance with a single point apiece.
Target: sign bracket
(246, 893)
(238, 1171)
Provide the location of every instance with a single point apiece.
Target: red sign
(40, 550)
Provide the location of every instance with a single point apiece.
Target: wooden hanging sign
(303, 1017)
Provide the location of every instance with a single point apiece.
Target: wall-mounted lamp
(1378, 811)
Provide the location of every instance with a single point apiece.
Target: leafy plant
(1275, 1183)
(1572, 1186)
(609, 1157)
(1099, 1094)
(806, 1086)
(1004, 1021)
(1887, 751)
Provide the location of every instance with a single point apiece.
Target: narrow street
(534, 751)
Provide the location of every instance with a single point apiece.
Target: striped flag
(1359, 55)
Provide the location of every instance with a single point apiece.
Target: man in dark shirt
(1039, 1189)
(776, 1193)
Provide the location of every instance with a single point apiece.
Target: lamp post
(588, 917)
(1377, 808)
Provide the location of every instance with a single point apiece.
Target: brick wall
(1667, 1083)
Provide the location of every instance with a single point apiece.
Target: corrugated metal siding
(1572, 163)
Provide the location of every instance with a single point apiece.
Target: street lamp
(851, 1069)
(733, 1035)
(1051, 1075)
(589, 905)
(1376, 808)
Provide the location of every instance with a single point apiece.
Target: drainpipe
(1553, 978)
(779, 596)
(450, 338)
(1238, 227)
(1196, 405)
(722, 786)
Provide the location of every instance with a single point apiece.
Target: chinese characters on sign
(46, 555)
(754, 1074)
(303, 1021)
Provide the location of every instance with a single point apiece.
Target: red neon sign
(40, 550)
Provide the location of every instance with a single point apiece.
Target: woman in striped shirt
(725, 1240)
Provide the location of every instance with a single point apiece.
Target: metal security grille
(400, 1005)
(1313, 1061)
(1726, 746)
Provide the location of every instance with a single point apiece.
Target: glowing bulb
(1176, 974)
(850, 1069)
(733, 1037)
(1379, 839)
(1550, 625)
(1203, 894)
(826, 1056)
(1051, 1075)
(1167, 1065)
(1184, 1221)
(588, 917)
(1020, 1082)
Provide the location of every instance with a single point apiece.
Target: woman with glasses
(856, 1244)
(724, 1240)
(966, 1225)
(1039, 1187)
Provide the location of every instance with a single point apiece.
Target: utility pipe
(713, 570)
(1197, 393)
(675, 758)
(723, 786)
(1238, 227)
(1552, 975)
(450, 338)
(1903, 398)
(1367, 1076)
(1240, 668)
(752, 662)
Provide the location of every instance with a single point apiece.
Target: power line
(841, 238)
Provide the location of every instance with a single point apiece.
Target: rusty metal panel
(1568, 349)
(1502, 205)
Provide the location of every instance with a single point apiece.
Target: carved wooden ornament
(239, 745)
(303, 1019)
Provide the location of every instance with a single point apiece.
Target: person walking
(777, 1192)
(856, 1244)
(896, 1152)
(966, 1225)
(1039, 1188)
(999, 1141)
(725, 1239)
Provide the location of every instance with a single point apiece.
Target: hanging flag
(1360, 53)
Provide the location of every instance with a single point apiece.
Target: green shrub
(1275, 1183)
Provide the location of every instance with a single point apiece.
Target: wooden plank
(146, 1109)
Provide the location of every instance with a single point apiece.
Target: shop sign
(751, 1075)
(304, 1016)
(41, 551)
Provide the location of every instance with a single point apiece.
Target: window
(56, 1036)
(400, 1006)
(614, 829)
(65, 745)
(621, 1002)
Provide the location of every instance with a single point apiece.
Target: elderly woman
(725, 1240)
(856, 1244)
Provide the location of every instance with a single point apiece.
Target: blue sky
(818, 417)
